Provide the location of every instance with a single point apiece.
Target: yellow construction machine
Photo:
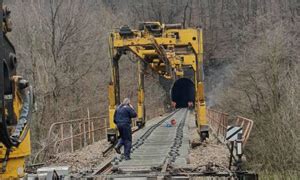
(15, 105)
(173, 52)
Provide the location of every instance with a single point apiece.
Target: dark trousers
(126, 138)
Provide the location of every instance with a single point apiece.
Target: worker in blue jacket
(122, 119)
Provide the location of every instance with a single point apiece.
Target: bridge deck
(164, 143)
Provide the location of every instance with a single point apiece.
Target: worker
(190, 105)
(122, 119)
(173, 104)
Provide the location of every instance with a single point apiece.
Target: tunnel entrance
(183, 92)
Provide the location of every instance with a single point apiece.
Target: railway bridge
(162, 146)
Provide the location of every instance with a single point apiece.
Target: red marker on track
(173, 122)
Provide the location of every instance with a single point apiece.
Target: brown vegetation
(263, 84)
(251, 54)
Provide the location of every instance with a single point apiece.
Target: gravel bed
(84, 159)
(210, 151)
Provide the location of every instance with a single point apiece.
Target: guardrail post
(72, 138)
(89, 124)
(226, 124)
(62, 136)
(222, 123)
(105, 125)
(219, 123)
(84, 134)
(93, 133)
(80, 133)
(213, 119)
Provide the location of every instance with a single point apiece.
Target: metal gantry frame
(167, 50)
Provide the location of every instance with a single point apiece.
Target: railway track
(110, 148)
(160, 151)
(156, 148)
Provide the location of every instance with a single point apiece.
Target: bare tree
(262, 85)
(251, 56)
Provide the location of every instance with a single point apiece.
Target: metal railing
(247, 125)
(71, 135)
(83, 129)
(218, 122)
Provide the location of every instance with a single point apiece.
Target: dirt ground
(209, 152)
(84, 159)
(87, 158)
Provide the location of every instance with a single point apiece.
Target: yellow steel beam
(166, 53)
(143, 42)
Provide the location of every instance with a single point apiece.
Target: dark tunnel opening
(183, 92)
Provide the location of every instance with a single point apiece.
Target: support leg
(114, 99)
(200, 99)
(201, 113)
(141, 98)
(201, 118)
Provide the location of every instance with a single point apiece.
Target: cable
(23, 125)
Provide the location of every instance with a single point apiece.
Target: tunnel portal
(182, 92)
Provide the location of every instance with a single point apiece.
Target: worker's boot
(118, 148)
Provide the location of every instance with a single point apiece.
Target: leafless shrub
(62, 50)
(263, 85)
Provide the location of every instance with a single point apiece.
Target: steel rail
(140, 141)
(173, 153)
(106, 169)
(110, 148)
(107, 166)
(167, 169)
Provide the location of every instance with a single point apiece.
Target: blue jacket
(123, 114)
